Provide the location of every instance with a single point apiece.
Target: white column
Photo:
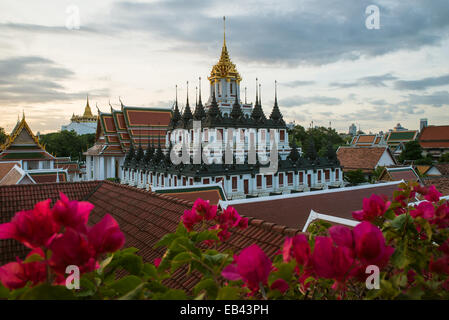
(101, 168)
(113, 167)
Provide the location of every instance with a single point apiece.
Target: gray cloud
(436, 99)
(296, 101)
(313, 33)
(297, 83)
(422, 84)
(34, 79)
(369, 81)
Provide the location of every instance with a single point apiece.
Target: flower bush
(407, 243)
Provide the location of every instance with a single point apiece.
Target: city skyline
(328, 69)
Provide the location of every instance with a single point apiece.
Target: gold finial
(224, 31)
(23, 114)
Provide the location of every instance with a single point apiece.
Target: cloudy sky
(329, 66)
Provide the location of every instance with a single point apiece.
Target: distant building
(434, 140)
(399, 173)
(399, 128)
(366, 159)
(368, 140)
(85, 124)
(396, 140)
(422, 124)
(353, 129)
(23, 147)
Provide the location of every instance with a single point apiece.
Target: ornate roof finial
(196, 96)
(275, 92)
(260, 94)
(23, 114)
(224, 31)
(187, 103)
(199, 101)
(257, 92)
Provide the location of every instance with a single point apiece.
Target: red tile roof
(293, 210)
(366, 159)
(143, 216)
(440, 182)
(434, 137)
(5, 167)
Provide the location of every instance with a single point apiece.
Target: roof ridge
(158, 195)
(272, 227)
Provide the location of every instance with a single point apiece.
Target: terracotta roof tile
(143, 216)
(353, 158)
(440, 182)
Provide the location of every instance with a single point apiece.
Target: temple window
(281, 179)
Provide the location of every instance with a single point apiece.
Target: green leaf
(180, 259)
(181, 230)
(228, 293)
(174, 294)
(134, 294)
(149, 270)
(209, 286)
(390, 215)
(87, 288)
(399, 222)
(126, 284)
(33, 258)
(132, 263)
(166, 240)
(46, 291)
(205, 235)
(400, 257)
(105, 263)
(4, 292)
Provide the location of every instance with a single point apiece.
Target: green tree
(3, 136)
(444, 158)
(321, 137)
(355, 177)
(67, 143)
(412, 151)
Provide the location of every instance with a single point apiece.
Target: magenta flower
(373, 207)
(106, 236)
(279, 284)
(331, 262)
(72, 248)
(425, 210)
(433, 195)
(370, 245)
(297, 248)
(157, 262)
(342, 236)
(73, 214)
(252, 266)
(15, 275)
(204, 209)
(190, 218)
(34, 228)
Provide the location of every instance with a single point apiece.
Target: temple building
(85, 124)
(117, 131)
(227, 123)
(23, 147)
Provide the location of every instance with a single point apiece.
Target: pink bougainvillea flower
(297, 248)
(190, 218)
(441, 217)
(157, 262)
(243, 223)
(252, 266)
(229, 218)
(106, 236)
(330, 261)
(204, 209)
(73, 214)
(279, 284)
(432, 195)
(370, 245)
(342, 236)
(72, 248)
(373, 207)
(425, 210)
(34, 228)
(15, 275)
(440, 265)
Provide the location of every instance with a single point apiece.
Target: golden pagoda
(224, 69)
(87, 116)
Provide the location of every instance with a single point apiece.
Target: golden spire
(224, 68)
(87, 111)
